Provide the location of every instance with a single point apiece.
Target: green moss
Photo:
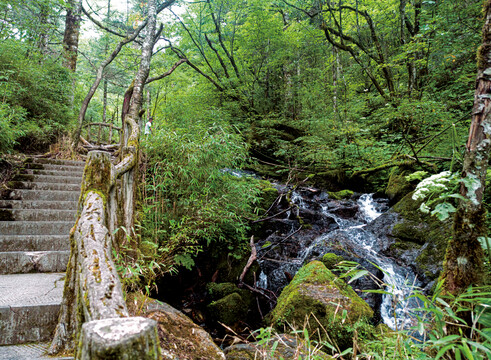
(229, 310)
(266, 244)
(398, 186)
(410, 231)
(23, 177)
(331, 179)
(340, 195)
(315, 291)
(267, 195)
(417, 228)
(218, 291)
(16, 185)
(330, 260)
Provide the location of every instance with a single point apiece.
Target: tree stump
(119, 338)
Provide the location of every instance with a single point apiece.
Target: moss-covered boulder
(398, 186)
(180, 338)
(285, 347)
(268, 194)
(330, 179)
(340, 195)
(330, 260)
(229, 310)
(218, 291)
(316, 292)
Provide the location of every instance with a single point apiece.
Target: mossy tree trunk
(92, 287)
(464, 258)
(72, 32)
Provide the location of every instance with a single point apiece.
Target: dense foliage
(192, 197)
(35, 98)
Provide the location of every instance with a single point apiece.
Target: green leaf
(358, 275)
(443, 211)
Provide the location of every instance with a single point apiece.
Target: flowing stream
(395, 308)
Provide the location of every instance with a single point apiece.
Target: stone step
(33, 351)
(54, 195)
(42, 204)
(22, 262)
(52, 167)
(69, 172)
(37, 215)
(46, 186)
(29, 306)
(34, 243)
(67, 163)
(35, 227)
(49, 179)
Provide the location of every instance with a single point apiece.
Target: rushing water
(395, 308)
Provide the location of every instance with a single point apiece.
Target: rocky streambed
(304, 243)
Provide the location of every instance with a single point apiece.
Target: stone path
(35, 220)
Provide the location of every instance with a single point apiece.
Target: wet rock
(412, 238)
(346, 210)
(318, 220)
(315, 291)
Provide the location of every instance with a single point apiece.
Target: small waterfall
(395, 308)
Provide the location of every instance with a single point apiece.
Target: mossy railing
(94, 319)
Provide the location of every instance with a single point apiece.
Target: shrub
(191, 197)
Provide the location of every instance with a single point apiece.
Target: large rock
(398, 186)
(285, 347)
(320, 302)
(180, 338)
(414, 239)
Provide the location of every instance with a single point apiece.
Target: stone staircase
(35, 221)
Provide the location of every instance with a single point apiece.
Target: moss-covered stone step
(37, 215)
(34, 243)
(35, 227)
(29, 305)
(44, 186)
(54, 195)
(41, 204)
(21, 262)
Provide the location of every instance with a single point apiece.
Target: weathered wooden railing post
(93, 294)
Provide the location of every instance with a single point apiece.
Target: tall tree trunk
(72, 32)
(131, 122)
(106, 48)
(43, 37)
(464, 257)
(335, 76)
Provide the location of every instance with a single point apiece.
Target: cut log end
(119, 338)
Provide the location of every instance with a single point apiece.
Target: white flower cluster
(435, 183)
